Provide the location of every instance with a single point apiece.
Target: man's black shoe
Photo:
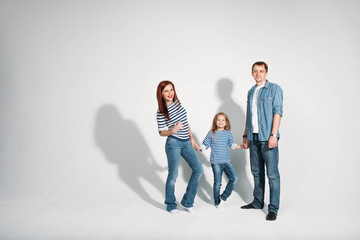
(271, 216)
(249, 206)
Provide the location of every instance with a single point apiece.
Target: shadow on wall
(204, 190)
(123, 145)
(237, 120)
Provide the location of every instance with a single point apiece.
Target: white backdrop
(80, 156)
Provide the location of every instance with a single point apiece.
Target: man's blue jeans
(174, 149)
(230, 172)
(261, 156)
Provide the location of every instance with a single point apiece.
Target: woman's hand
(177, 126)
(194, 144)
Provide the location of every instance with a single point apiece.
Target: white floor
(124, 215)
(79, 146)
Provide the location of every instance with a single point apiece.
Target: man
(261, 135)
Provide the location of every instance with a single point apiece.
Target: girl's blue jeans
(218, 169)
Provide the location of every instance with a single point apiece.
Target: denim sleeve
(278, 101)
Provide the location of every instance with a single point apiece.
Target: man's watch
(274, 135)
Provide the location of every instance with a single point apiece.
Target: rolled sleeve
(204, 147)
(163, 129)
(278, 101)
(233, 146)
(231, 143)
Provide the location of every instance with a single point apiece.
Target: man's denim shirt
(270, 102)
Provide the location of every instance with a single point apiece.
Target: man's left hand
(272, 142)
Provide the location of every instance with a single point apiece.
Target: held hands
(245, 143)
(194, 144)
(272, 143)
(179, 126)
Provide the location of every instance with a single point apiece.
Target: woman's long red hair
(161, 102)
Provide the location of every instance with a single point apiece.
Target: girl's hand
(239, 146)
(178, 126)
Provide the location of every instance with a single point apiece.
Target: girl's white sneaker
(190, 210)
(175, 211)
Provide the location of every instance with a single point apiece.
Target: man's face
(259, 73)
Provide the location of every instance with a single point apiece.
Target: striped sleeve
(206, 142)
(161, 121)
(231, 143)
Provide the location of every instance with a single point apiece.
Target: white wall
(77, 101)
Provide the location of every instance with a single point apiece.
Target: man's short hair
(260, 63)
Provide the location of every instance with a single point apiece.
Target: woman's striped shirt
(219, 142)
(176, 112)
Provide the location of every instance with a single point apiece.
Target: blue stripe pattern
(219, 142)
(176, 114)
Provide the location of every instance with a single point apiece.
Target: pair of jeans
(260, 156)
(175, 148)
(218, 169)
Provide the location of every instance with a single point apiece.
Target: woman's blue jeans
(261, 156)
(230, 172)
(174, 149)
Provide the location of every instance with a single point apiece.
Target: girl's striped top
(176, 112)
(219, 142)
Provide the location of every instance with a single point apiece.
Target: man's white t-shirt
(254, 113)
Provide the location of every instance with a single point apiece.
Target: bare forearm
(275, 128)
(190, 132)
(245, 129)
(176, 128)
(245, 141)
(239, 146)
(192, 140)
(276, 124)
(166, 133)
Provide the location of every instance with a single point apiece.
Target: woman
(172, 123)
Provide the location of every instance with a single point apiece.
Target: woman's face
(168, 93)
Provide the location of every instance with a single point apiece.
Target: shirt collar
(267, 83)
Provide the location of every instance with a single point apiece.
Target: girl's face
(220, 122)
(168, 94)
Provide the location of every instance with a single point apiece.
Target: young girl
(172, 122)
(219, 139)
